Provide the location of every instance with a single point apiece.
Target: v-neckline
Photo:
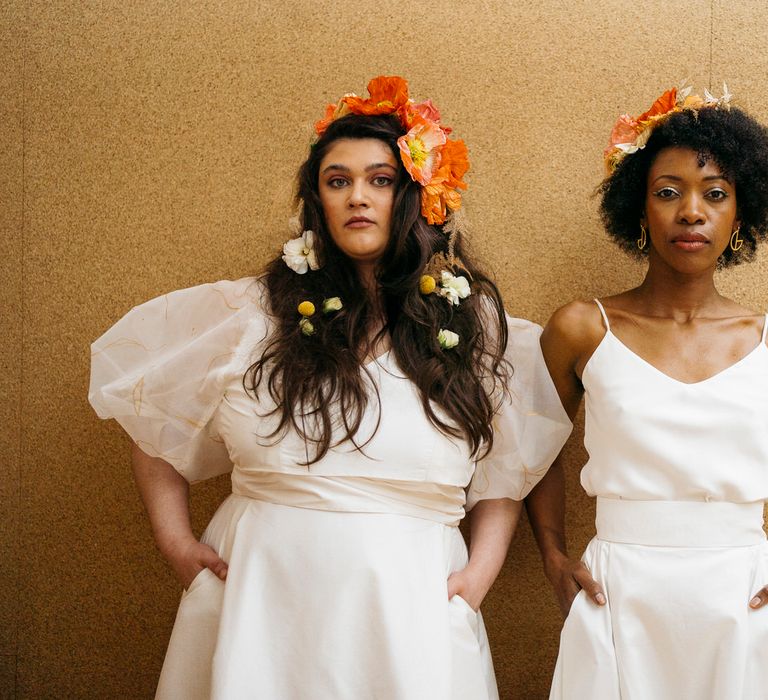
(378, 359)
(712, 377)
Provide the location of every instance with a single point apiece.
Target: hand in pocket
(190, 557)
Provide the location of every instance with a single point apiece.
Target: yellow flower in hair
(427, 284)
(306, 308)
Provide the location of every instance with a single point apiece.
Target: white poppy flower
(447, 339)
(299, 253)
(454, 289)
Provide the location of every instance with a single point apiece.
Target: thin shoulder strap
(605, 316)
(765, 328)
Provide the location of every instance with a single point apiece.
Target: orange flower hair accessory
(433, 160)
(631, 134)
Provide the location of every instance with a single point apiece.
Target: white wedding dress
(336, 587)
(680, 472)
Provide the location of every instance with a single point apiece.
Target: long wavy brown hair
(319, 383)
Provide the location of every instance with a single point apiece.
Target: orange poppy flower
(441, 194)
(455, 157)
(388, 94)
(436, 199)
(665, 103)
(420, 149)
(332, 113)
(624, 131)
(432, 204)
(427, 110)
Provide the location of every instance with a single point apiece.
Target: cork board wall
(151, 146)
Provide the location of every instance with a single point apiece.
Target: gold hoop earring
(643, 240)
(736, 241)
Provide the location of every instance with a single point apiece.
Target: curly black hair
(730, 137)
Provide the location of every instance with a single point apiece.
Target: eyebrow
(675, 178)
(345, 169)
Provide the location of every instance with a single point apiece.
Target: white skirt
(327, 605)
(678, 578)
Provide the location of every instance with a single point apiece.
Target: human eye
(382, 180)
(665, 193)
(336, 182)
(717, 194)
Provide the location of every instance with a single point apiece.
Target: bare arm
(565, 342)
(491, 525)
(546, 513)
(165, 494)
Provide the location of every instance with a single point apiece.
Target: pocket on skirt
(196, 582)
(577, 603)
(461, 609)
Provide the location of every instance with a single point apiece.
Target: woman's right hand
(189, 557)
(569, 576)
(568, 341)
(165, 493)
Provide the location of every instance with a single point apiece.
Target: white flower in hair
(447, 339)
(331, 305)
(454, 289)
(299, 253)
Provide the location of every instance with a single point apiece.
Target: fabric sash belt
(419, 499)
(680, 523)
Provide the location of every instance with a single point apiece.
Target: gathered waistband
(680, 523)
(438, 502)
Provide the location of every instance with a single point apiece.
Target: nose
(691, 210)
(358, 194)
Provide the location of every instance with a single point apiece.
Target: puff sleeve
(161, 371)
(530, 427)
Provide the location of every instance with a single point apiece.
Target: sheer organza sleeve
(530, 427)
(161, 371)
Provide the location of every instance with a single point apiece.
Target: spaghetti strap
(765, 329)
(605, 316)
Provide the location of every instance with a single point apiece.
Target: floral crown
(630, 134)
(433, 160)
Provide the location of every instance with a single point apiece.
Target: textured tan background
(149, 146)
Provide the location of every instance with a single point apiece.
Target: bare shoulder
(569, 339)
(744, 312)
(576, 323)
(747, 321)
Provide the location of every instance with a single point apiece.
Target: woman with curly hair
(363, 392)
(666, 602)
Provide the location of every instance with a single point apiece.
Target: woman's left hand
(759, 599)
(470, 587)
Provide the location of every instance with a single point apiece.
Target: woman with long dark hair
(666, 603)
(363, 391)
